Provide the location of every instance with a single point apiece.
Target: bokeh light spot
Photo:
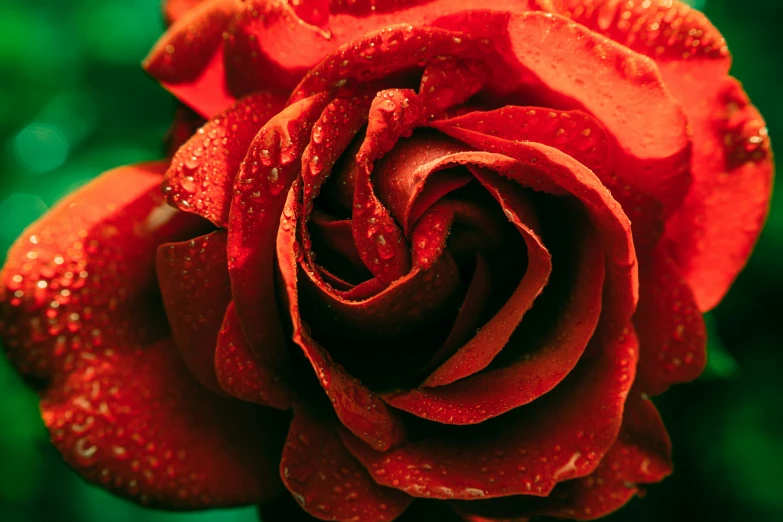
(40, 147)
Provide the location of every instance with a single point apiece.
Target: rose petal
(468, 318)
(477, 353)
(559, 174)
(713, 234)
(580, 136)
(671, 329)
(119, 402)
(244, 374)
(357, 407)
(326, 479)
(449, 82)
(49, 297)
(575, 133)
(567, 65)
(505, 456)
(336, 127)
(133, 420)
(333, 240)
(406, 305)
(173, 10)
(534, 371)
(276, 44)
(409, 179)
(381, 244)
(665, 31)
(396, 48)
(188, 59)
(641, 455)
(267, 172)
(194, 283)
(202, 172)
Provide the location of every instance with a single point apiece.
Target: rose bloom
(425, 260)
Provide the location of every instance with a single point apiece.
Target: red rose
(519, 215)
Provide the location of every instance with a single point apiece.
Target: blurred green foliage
(74, 102)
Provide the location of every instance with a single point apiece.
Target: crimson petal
(641, 455)
(328, 482)
(671, 329)
(78, 308)
(357, 407)
(242, 373)
(560, 175)
(188, 59)
(499, 390)
(193, 279)
(571, 66)
(270, 166)
(477, 353)
(202, 171)
(505, 457)
(712, 235)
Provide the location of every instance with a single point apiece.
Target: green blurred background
(74, 102)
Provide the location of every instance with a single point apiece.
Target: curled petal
(328, 482)
(119, 402)
(356, 406)
(641, 455)
(477, 353)
(670, 326)
(570, 66)
(503, 456)
(244, 374)
(203, 170)
(194, 283)
(272, 163)
(535, 371)
(712, 235)
(381, 243)
(188, 59)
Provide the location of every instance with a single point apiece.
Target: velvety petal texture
(116, 394)
(408, 260)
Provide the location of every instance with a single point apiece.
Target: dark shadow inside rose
(562, 222)
(383, 360)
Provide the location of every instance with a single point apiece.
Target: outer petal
(188, 59)
(135, 421)
(202, 172)
(272, 44)
(505, 456)
(243, 373)
(357, 407)
(641, 455)
(173, 10)
(193, 279)
(712, 235)
(79, 311)
(671, 329)
(326, 479)
(569, 66)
